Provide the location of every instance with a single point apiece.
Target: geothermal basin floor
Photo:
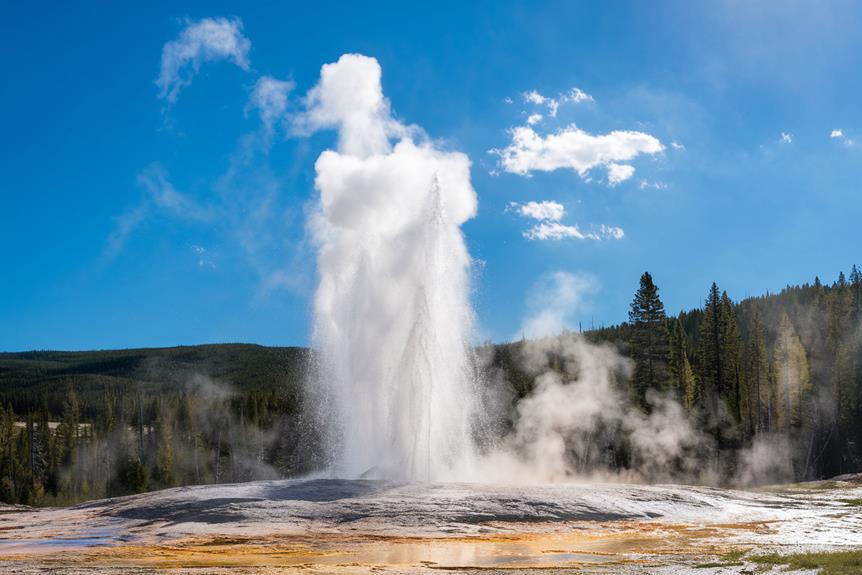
(341, 526)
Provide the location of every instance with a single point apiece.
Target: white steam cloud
(552, 302)
(396, 379)
(392, 318)
(202, 41)
(577, 417)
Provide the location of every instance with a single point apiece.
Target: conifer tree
(709, 352)
(649, 339)
(682, 375)
(757, 375)
(793, 380)
(731, 388)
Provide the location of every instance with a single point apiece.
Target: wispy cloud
(552, 302)
(269, 98)
(645, 184)
(161, 191)
(786, 138)
(161, 198)
(124, 226)
(557, 231)
(614, 232)
(533, 97)
(203, 257)
(575, 95)
(838, 134)
(200, 41)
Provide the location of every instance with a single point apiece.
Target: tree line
(79, 426)
(786, 365)
(139, 442)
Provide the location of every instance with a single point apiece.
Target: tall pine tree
(649, 339)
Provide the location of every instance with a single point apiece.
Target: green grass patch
(837, 563)
(729, 559)
(852, 502)
(807, 486)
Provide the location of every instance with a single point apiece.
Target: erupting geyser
(392, 315)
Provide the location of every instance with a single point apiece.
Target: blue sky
(134, 216)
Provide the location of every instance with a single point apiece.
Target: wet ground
(337, 526)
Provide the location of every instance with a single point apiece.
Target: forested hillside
(79, 425)
(786, 366)
(783, 369)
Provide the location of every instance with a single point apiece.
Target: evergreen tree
(757, 376)
(163, 470)
(682, 375)
(709, 352)
(649, 339)
(791, 375)
(731, 387)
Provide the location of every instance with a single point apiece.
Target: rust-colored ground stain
(533, 546)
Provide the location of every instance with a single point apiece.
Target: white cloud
(533, 97)
(124, 225)
(533, 119)
(676, 145)
(269, 98)
(786, 138)
(551, 230)
(613, 232)
(577, 96)
(161, 197)
(644, 184)
(618, 173)
(544, 210)
(557, 231)
(575, 149)
(838, 134)
(205, 40)
(549, 214)
(163, 194)
(552, 302)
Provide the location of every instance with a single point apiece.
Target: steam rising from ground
(576, 422)
(397, 385)
(392, 317)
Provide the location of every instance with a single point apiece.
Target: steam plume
(391, 310)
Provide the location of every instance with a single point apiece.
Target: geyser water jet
(392, 314)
